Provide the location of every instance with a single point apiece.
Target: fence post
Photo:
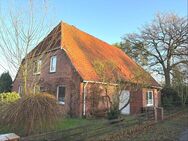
(160, 114)
(155, 114)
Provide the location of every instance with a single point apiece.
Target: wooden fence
(91, 131)
(86, 132)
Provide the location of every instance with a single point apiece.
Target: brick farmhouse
(82, 72)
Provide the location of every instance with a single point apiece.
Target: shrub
(5, 82)
(32, 113)
(9, 97)
(113, 113)
(169, 97)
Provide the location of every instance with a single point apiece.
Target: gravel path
(184, 135)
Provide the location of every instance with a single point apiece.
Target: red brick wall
(65, 75)
(156, 97)
(136, 101)
(102, 102)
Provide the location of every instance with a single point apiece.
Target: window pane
(39, 66)
(35, 67)
(36, 89)
(61, 94)
(53, 62)
(149, 98)
(20, 90)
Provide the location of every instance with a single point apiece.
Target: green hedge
(9, 97)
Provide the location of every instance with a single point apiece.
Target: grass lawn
(62, 124)
(165, 130)
(68, 123)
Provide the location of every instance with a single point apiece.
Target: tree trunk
(167, 78)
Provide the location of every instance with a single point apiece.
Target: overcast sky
(108, 20)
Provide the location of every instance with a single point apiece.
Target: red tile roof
(84, 49)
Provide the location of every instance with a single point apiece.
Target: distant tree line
(5, 82)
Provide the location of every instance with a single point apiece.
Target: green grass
(165, 130)
(62, 124)
(72, 123)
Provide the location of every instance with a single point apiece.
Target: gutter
(84, 98)
(85, 91)
(114, 84)
(98, 82)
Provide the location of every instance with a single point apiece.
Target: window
(61, 94)
(20, 90)
(42, 89)
(149, 98)
(36, 89)
(53, 61)
(37, 66)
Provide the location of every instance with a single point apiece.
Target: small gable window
(61, 94)
(37, 67)
(53, 62)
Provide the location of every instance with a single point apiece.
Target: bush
(31, 114)
(169, 97)
(113, 113)
(9, 97)
(5, 82)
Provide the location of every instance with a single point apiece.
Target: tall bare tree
(21, 29)
(162, 44)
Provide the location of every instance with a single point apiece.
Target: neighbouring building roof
(84, 50)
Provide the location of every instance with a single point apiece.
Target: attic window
(37, 67)
(53, 62)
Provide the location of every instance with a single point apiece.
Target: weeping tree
(21, 29)
(160, 45)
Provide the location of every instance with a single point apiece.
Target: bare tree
(163, 44)
(20, 31)
(179, 82)
(107, 71)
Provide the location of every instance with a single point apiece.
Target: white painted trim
(84, 102)
(51, 63)
(57, 94)
(20, 90)
(38, 69)
(113, 84)
(152, 98)
(98, 82)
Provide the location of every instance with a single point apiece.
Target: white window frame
(57, 95)
(53, 67)
(34, 89)
(39, 63)
(152, 100)
(20, 90)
